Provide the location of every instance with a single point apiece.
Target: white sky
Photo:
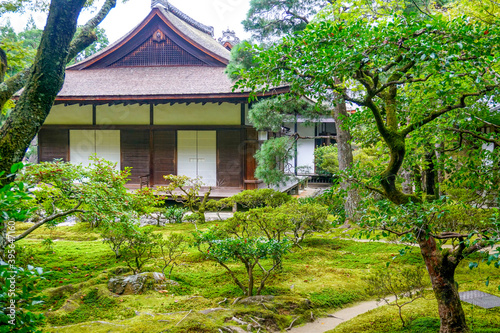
(221, 14)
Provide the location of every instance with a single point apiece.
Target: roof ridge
(209, 30)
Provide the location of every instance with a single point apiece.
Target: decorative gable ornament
(163, 3)
(228, 39)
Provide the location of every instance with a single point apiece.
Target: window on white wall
(103, 143)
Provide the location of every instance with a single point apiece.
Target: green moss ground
(328, 272)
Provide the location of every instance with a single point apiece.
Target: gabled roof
(166, 37)
(167, 58)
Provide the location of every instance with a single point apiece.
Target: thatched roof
(150, 84)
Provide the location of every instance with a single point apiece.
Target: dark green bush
(329, 298)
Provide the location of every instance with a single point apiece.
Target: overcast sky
(221, 14)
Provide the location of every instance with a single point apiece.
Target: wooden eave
(236, 98)
(143, 31)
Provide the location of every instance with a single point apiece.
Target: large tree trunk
(44, 82)
(407, 186)
(430, 173)
(3, 64)
(441, 268)
(44, 79)
(346, 160)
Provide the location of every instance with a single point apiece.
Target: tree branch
(80, 42)
(484, 121)
(48, 219)
(449, 235)
(410, 128)
(480, 137)
(394, 83)
(398, 233)
(86, 36)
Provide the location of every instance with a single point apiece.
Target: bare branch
(462, 104)
(48, 219)
(484, 121)
(394, 83)
(480, 137)
(398, 233)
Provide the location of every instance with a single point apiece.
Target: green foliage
(187, 191)
(12, 196)
(406, 285)
(417, 78)
(295, 217)
(146, 201)
(326, 160)
(241, 58)
(333, 198)
(305, 218)
(248, 251)
(20, 47)
(138, 247)
(330, 298)
(18, 290)
(97, 191)
(259, 198)
(171, 249)
(425, 324)
(270, 114)
(269, 222)
(268, 19)
(48, 243)
(117, 234)
(101, 43)
(368, 161)
(175, 214)
(273, 160)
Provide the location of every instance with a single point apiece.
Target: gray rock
(256, 299)
(207, 311)
(139, 283)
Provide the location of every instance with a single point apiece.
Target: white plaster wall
(197, 114)
(70, 115)
(134, 114)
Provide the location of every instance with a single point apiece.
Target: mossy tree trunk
(44, 82)
(45, 78)
(345, 159)
(441, 268)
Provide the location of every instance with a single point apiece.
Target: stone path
(325, 324)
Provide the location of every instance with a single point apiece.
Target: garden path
(333, 320)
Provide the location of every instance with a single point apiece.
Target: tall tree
(409, 73)
(43, 80)
(269, 20)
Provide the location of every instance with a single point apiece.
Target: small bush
(259, 198)
(425, 324)
(175, 214)
(330, 298)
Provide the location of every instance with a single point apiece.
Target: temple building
(157, 100)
